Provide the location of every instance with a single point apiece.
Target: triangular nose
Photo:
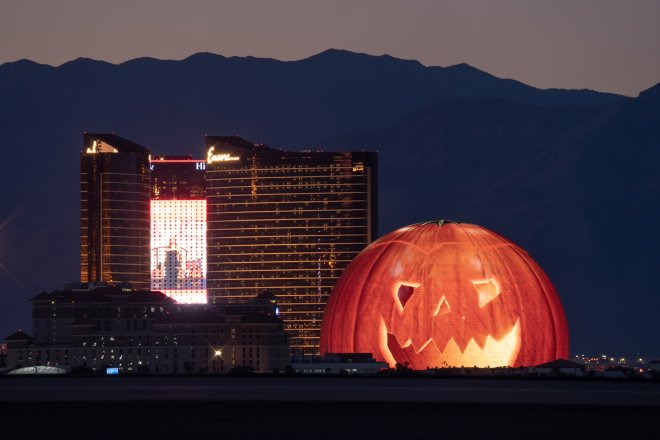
(442, 308)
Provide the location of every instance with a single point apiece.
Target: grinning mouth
(495, 352)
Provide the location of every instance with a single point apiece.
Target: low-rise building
(339, 363)
(560, 367)
(3, 357)
(139, 331)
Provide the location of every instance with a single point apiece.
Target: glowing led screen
(445, 294)
(178, 249)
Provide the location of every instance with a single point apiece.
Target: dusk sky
(606, 45)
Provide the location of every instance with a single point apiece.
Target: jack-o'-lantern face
(445, 294)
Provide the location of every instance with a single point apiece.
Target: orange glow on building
(288, 223)
(178, 249)
(445, 294)
(114, 211)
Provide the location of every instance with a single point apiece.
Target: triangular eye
(404, 294)
(487, 289)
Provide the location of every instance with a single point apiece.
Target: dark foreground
(317, 420)
(325, 408)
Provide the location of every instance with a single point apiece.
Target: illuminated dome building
(446, 294)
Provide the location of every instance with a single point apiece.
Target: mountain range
(567, 174)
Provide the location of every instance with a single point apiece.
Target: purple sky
(606, 45)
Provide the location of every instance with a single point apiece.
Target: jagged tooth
(440, 339)
(461, 341)
(451, 354)
(419, 345)
(430, 357)
(455, 351)
(392, 341)
(438, 347)
(502, 330)
(400, 342)
(480, 339)
(468, 344)
(480, 329)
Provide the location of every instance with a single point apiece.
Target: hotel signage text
(211, 157)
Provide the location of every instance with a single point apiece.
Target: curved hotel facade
(287, 222)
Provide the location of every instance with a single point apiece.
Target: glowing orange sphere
(442, 294)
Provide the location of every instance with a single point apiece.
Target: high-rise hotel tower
(287, 222)
(178, 228)
(115, 193)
